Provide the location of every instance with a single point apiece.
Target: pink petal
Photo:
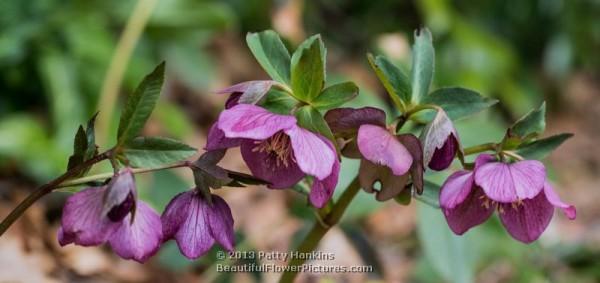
(141, 239)
(120, 195)
(175, 214)
(322, 190)
(511, 182)
(456, 189)
(193, 237)
(313, 155)
(379, 146)
(83, 222)
(569, 210)
(253, 122)
(220, 222)
(526, 222)
(265, 166)
(468, 206)
(217, 140)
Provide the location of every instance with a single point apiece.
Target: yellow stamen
(279, 145)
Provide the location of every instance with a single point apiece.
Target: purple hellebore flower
(277, 150)
(112, 214)
(524, 199)
(196, 224)
(440, 142)
(386, 158)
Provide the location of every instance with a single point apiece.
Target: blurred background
(54, 57)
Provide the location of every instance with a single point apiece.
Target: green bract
(271, 54)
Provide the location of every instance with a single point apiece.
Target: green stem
(319, 230)
(118, 64)
(421, 107)
(480, 148)
(103, 176)
(46, 189)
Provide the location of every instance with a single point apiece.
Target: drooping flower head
(112, 214)
(277, 150)
(440, 142)
(385, 157)
(196, 223)
(519, 191)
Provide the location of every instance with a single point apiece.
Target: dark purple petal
(442, 157)
(348, 120)
(83, 222)
(379, 146)
(119, 212)
(217, 140)
(322, 190)
(311, 152)
(464, 205)
(413, 145)
(554, 199)
(511, 182)
(391, 185)
(526, 221)
(253, 122)
(266, 166)
(435, 136)
(175, 214)
(233, 100)
(251, 92)
(120, 195)
(140, 239)
(193, 237)
(64, 239)
(220, 222)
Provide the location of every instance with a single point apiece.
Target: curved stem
(118, 64)
(46, 189)
(319, 230)
(480, 148)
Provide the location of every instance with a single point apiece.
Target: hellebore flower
(440, 142)
(112, 214)
(519, 191)
(385, 157)
(196, 223)
(277, 150)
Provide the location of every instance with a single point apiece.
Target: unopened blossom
(112, 214)
(277, 150)
(440, 142)
(197, 223)
(385, 157)
(519, 191)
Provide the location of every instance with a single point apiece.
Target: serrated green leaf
(393, 79)
(541, 148)
(308, 69)
(271, 54)
(155, 151)
(458, 102)
(532, 123)
(423, 57)
(309, 118)
(139, 105)
(335, 95)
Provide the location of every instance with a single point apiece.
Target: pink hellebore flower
(277, 150)
(519, 191)
(112, 214)
(196, 224)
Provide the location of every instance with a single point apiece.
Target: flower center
(279, 146)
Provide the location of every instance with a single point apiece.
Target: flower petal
(456, 189)
(252, 122)
(217, 140)
(469, 213)
(413, 145)
(436, 134)
(348, 120)
(322, 190)
(379, 146)
(443, 157)
(526, 222)
(220, 222)
(193, 237)
(391, 185)
(569, 210)
(266, 167)
(83, 222)
(141, 239)
(250, 92)
(175, 214)
(313, 155)
(511, 182)
(120, 195)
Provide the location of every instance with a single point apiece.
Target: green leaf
(271, 54)
(430, 195)
(422, 64)
(310, 119)
(279, 102)
(393, 79)
(84, 146)
(458, 102)
(532, 123)
(155, 151)
(139, 105)
(539, 149)
(335, 95)
(90, 133)
(308, 69)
